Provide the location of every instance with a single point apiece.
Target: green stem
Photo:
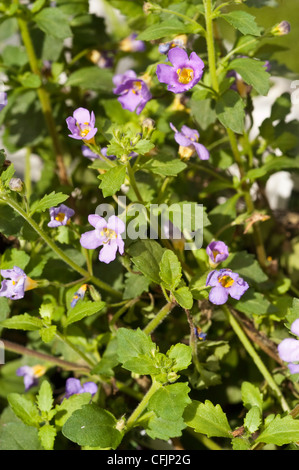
(155, 322)
(44, 99)
(74, 348)
(58, 251)
(22, 350)
(142, 405)
(256, 359)
(210, 44)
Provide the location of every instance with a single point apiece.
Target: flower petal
(288, 350)
(90, 240)
(108, 252)
(218, 295)
(116, 224)
(82, 115)
(177, 56)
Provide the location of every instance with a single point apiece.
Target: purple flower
(73, 387)
(188, 140)
(225, 283)
(288, 349)
(131, 44)
(217, 252)
(3, 100)
(184, 72)
(281, 29)
(106, 234)
(31, 374)
(81, 125)
(79, 294)
(199, 333)
(134, 93)
(18, 282)
(178, 41)
(60, 215)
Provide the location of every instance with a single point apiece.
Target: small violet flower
(105, 233)
(134, 93)
(3, 100)
(281, 29)
(73, 387)
(31, 374)
(81, 125)
(16, 283)
(184, 72)
(178, 41)
(131, 44)
(79, 295)
(217, 252)
(60, 215)
(199, 333)
(187, 139)
(288, 349)
(224, 283)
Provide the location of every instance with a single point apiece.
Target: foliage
(155, 320)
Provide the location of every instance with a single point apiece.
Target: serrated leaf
(24, 322)
(68, 406)
(183, 297)
(146, 256)
(143, 146)
(165, 165)
(165, 28)
(49, 200)
(243, 21)
(132, 344)
(170, 270)
(44, 398)
(207, 419)
(253, 419)
(92, 426)
(24, 409)
(251, 396)
(181, 354)
(82, 310)
(18, 436)
(54, 22)
(47, 434)
(230, 111)
(169, 402)
(280, 431)
(112, 180)
(253, 72)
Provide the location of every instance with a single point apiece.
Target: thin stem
(74, 348)
(44, 99)
(185, 18)
(161, 315)
(58, 251)
(22, 350)
(142, 405)
(210, 44)
(256, 359)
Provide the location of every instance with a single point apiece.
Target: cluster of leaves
(134, 333)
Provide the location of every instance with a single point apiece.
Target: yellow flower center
(60, 217)
(38, 370)
(186, 152)
(136, 87)
(109, 234)
(226, 281)
(185, 75)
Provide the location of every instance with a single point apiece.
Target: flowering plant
(149, 284)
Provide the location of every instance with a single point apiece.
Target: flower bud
(281, 29)
(16, 184)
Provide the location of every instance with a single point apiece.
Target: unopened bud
(281, 29)
(16, 184)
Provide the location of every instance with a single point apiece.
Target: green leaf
(30, 80)
(136, 351)
(54, 22)
(49, 200)
(183, 297)
(45, 397)
(68, 406)
(92, 426)
(251, 396)
(280, 431)
(253, 72)
(146, 256)
(91, 78)
(7, 174)
(112, 180)
(170, 270)
(24, 409)
(165, 165)
(254, 303)
(207, 419)
(273, 165)
(253, 419)
(24, 322)
(246, 266)
(82, 310)
(165, 28)
(135, 285)
(14, 257)
(18, 436)
(143, 146)
(230, 111)
(181, 354)
(243, 21)
(47, 434)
